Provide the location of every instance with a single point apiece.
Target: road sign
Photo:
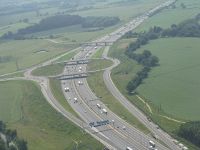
(99, 123)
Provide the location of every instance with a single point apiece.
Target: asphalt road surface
(118, 134)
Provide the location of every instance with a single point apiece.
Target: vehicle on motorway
(128, 148)
(80, 82)
(95, 47)
(152, 144)
(75, 100)
(67, 89)
(104, 111)
(155, 136)
(152, 148)
(99, 106)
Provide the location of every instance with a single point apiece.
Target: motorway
(118, 134)
(85, 102)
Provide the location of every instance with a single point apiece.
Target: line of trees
(191, 132)
(59, 21)
(134, 83)
(148, 61)
(188, 28)
(11, 141)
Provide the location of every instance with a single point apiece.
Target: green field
(174, 84)
(125, 72)
(125, 11)
(50, 70)
(25, 53)
(107, 98)
(98, 64)
(98, 53)
(58, 94)
(26, 110)
(172, 16)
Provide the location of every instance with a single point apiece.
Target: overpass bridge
(71, 76)
(78, 61)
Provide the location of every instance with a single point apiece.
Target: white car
(66, 89)
(80, 82)
(99, 106)
(75, 100)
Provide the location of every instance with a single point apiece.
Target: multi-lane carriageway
(118, 133)
(85, 106)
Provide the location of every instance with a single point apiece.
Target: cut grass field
(49, 70)
(96, 83)
(98, 64)
(25, 53)
(58, 94)
(124, 10)
(125, 72)
(26, 110)
(174, 84)
(98, 53)
(170, 16)
(13, 75)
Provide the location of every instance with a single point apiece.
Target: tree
(11, 135)
(183, 5)
(2, 126)
(191, 132)
(21, 144)
(12, 147)
(146, 54)
(2, 145)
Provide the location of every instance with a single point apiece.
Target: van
(104, 111)
(99, 106)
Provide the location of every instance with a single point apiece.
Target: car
(128, 148)
(99, 106)
(80, 82)
(124, 127)
(75, 100)
(104, 111)
(152, 144)
(66, 89)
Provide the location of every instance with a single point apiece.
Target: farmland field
(26, 110)
(174, 85)
(125, 11)
(170, 16)
(25, 53)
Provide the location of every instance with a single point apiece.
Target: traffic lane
(97, 115)
(94, 97)
(162, 136)
(130, 131)
(106, 132)
(125, 136)
(90, 119)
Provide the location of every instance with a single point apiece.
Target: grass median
(96, 83)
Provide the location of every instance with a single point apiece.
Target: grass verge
(125, 72)
(58, 94)
(96, 83)
(98, 64)
(40, 124)
(49, 70)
